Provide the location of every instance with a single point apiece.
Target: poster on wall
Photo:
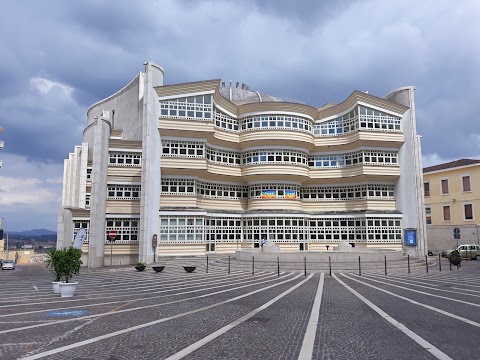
(411, 237)
(269, 194)
(290, 194)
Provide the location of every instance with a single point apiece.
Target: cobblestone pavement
(125, 314)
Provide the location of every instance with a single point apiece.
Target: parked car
(8, 265)
(471, 251)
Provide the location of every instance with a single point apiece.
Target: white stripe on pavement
(189, 349)
(133, 328)
(417, 303)
(306, 351)
(418, 339)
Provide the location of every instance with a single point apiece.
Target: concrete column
(98, 199)
(151, 174)
(64, 228)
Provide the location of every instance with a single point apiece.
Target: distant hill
(32, 233)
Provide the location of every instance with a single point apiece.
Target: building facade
(205, 167)
(452, 200)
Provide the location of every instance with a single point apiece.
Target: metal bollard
(278, 266)
(439, 262)
(330, 265)
(385, 264)
(359, 267)
(408, 262)
(450, 266)
(207, 265)
(305, 265)
(229, 264)
(253, 265)
(426, 263)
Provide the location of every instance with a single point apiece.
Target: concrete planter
(158, 268)
(189, 269)
(56, 287)
(68, 289)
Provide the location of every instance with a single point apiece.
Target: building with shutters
(208, 167)
(452, 200)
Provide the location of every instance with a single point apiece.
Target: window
(426, 189)
(468, 211)
(444, 186)
(446, 213)
(466, 183)
(428, 214)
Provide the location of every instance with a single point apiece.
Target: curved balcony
(358, 205)
(273, 172)
(371, 172)
(272, 204)
(358, 139)
(262, 137)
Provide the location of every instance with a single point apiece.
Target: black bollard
(426, 263)
(305, 265)
(330, 265)
(278, 266)
(439, 262)
(385, 264)
(359, 267)
(450, 266)
(408, 262)
(253, 265)
(207, 264)
(229, 264)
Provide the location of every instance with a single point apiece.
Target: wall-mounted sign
(411, 237)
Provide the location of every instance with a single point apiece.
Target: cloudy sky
(59, 57)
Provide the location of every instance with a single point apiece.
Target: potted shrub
(140, 266)
(52, 257)
(455, 258)
(67, 265)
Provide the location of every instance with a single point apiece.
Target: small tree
(52, 259)
(68, 263)
(455, 257)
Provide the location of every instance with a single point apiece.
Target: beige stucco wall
(440, 232)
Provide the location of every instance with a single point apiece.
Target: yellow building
(203, 167)
(452, 200)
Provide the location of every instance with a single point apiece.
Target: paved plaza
(125, 314)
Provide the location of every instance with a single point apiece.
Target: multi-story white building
(206, 167)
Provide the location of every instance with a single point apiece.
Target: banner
(290, 194)
(80, 238)
(269, 194)
(411, 237)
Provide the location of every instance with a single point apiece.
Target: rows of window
(359, 118)
(445, 188)
(124, 158)
(127, 229)
(195, 229)
(183, 149)
(225, 157)
(192, 187)
(225, 122)
(192, 107)
(366, 157)
(446, 213)
(123, 192)
(190, 149)
(348, 193)
(274, 156)
(276, 121)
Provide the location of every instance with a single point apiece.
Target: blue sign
(67, 313)
(411, 237)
